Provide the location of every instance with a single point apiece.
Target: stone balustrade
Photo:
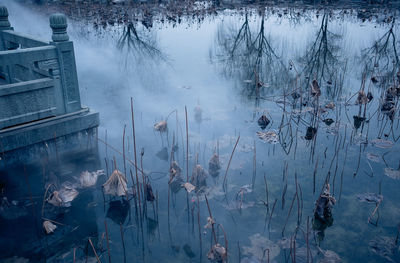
(39, 90)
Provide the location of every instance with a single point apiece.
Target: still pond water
(228, 69)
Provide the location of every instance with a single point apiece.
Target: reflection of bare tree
(382, 57)
(249, 57)
(382, 63)
(321, 61)
(139, 44)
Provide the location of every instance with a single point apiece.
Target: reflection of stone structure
(21, 232)
(39, 92)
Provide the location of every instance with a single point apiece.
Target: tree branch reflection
(321, 61)
(139, 45)
(382, 57)
(249, 57)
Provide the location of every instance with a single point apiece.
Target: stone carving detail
(58, 23)
(4, 23)
(50, 66)
(70, 85)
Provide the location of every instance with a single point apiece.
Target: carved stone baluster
(58, 23)
(6, 72)
(69, 78)
(4, 23)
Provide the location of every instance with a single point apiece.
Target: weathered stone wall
(39, 92)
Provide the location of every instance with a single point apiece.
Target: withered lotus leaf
(217, 253)
(49, 227)
(88, 179)
(116, 185)
(189, 187)
(160, 126)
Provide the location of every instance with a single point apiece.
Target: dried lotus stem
(94, 251)
(230, 159)
(212, 225)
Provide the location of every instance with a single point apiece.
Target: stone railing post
(68, 74)
(6, 72)
(4, 25)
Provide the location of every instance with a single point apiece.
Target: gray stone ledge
(48, 129)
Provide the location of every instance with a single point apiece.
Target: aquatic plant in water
(88, 179)
(199, 176)
(214, 165)
(270, 136)
(116, 185)
(392, 173)
(370, 198)
(161, 126)
(384, 247)
(258, 244)
(49, 227)
(175, 177)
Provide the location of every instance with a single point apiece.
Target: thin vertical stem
(187, 147)
(134, 150)
(272, 212)
(266, 193)
(212, 224)
(123, 150)
(229, 163)
(94, 251)
(122, 238)
(254, 165)
(108, 243)
(314, 174)
(290, 210)
(198, 222)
